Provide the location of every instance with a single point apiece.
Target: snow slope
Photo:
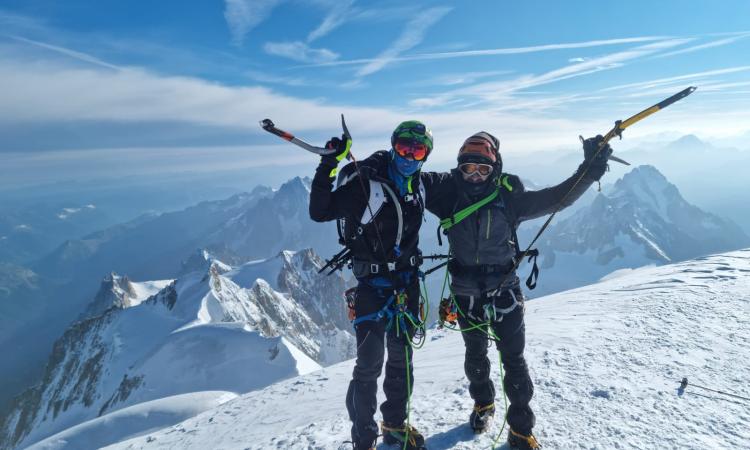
(606, 361)
(202, 332)
(133, 420)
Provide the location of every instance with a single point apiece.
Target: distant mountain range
(61, 284)
(641, 220)
(215, 328)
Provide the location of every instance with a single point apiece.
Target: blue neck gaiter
(400, 170)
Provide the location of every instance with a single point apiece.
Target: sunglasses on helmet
(471, 168)
(410, 149)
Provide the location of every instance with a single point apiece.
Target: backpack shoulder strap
(457, 217)
(378, 197)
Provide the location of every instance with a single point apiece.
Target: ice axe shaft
(621, 125)
(268, 125)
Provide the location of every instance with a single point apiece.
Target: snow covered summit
(642, 220)
(606, 361)
(207, 336)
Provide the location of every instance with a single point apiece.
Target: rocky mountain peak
(689, 142)
(297, 185)
(642, 220)
(115, 291)
(203, 261)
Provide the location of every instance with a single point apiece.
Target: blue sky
(82, 75)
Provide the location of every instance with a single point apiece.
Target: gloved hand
(341, 146)
(596, 162)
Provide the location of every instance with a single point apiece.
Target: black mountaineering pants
(372, 338)
(511, 332)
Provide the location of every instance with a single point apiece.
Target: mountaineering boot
(481, 417)
(397, 435)
(518, 441)
(364, 447)
(370, 446)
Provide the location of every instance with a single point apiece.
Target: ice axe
(268, 125)
(620, 125)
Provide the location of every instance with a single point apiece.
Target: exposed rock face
(642, 220)
(203, 331)
(114, 292)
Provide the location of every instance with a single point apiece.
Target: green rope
(505, 396)
(408, 393)
(410, 344)
(485, 327)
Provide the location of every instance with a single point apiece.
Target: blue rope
(400, 312)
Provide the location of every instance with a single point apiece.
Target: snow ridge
(606, 361)
(201, 332)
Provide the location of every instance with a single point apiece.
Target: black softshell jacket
(349, 201)
(486, 236)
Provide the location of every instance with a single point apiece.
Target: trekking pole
(620, 126)
(684, 385)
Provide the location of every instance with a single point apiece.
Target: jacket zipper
(476, 242)
(489, 221)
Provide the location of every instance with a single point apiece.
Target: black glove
(596, 159)
(342, 151)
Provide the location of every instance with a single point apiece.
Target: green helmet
(414, 130)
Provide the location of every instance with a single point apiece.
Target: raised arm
(532, 204)
(440, 192)
(348, 199)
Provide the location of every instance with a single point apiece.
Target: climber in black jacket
(381, 202)
(484, 285)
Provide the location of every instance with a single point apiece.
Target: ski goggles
(472, 168)
(411, 149)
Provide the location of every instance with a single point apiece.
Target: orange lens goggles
(410, 149)
(471, 168)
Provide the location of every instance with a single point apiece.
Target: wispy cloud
(454, 79)
(244, 15)
(712, 44)
(501, 93)
(501, 51)
(335, 18)
(413, 34)
(263, 77)
(67, 52)
(299, 51)
(676, 79)
(15, 23)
